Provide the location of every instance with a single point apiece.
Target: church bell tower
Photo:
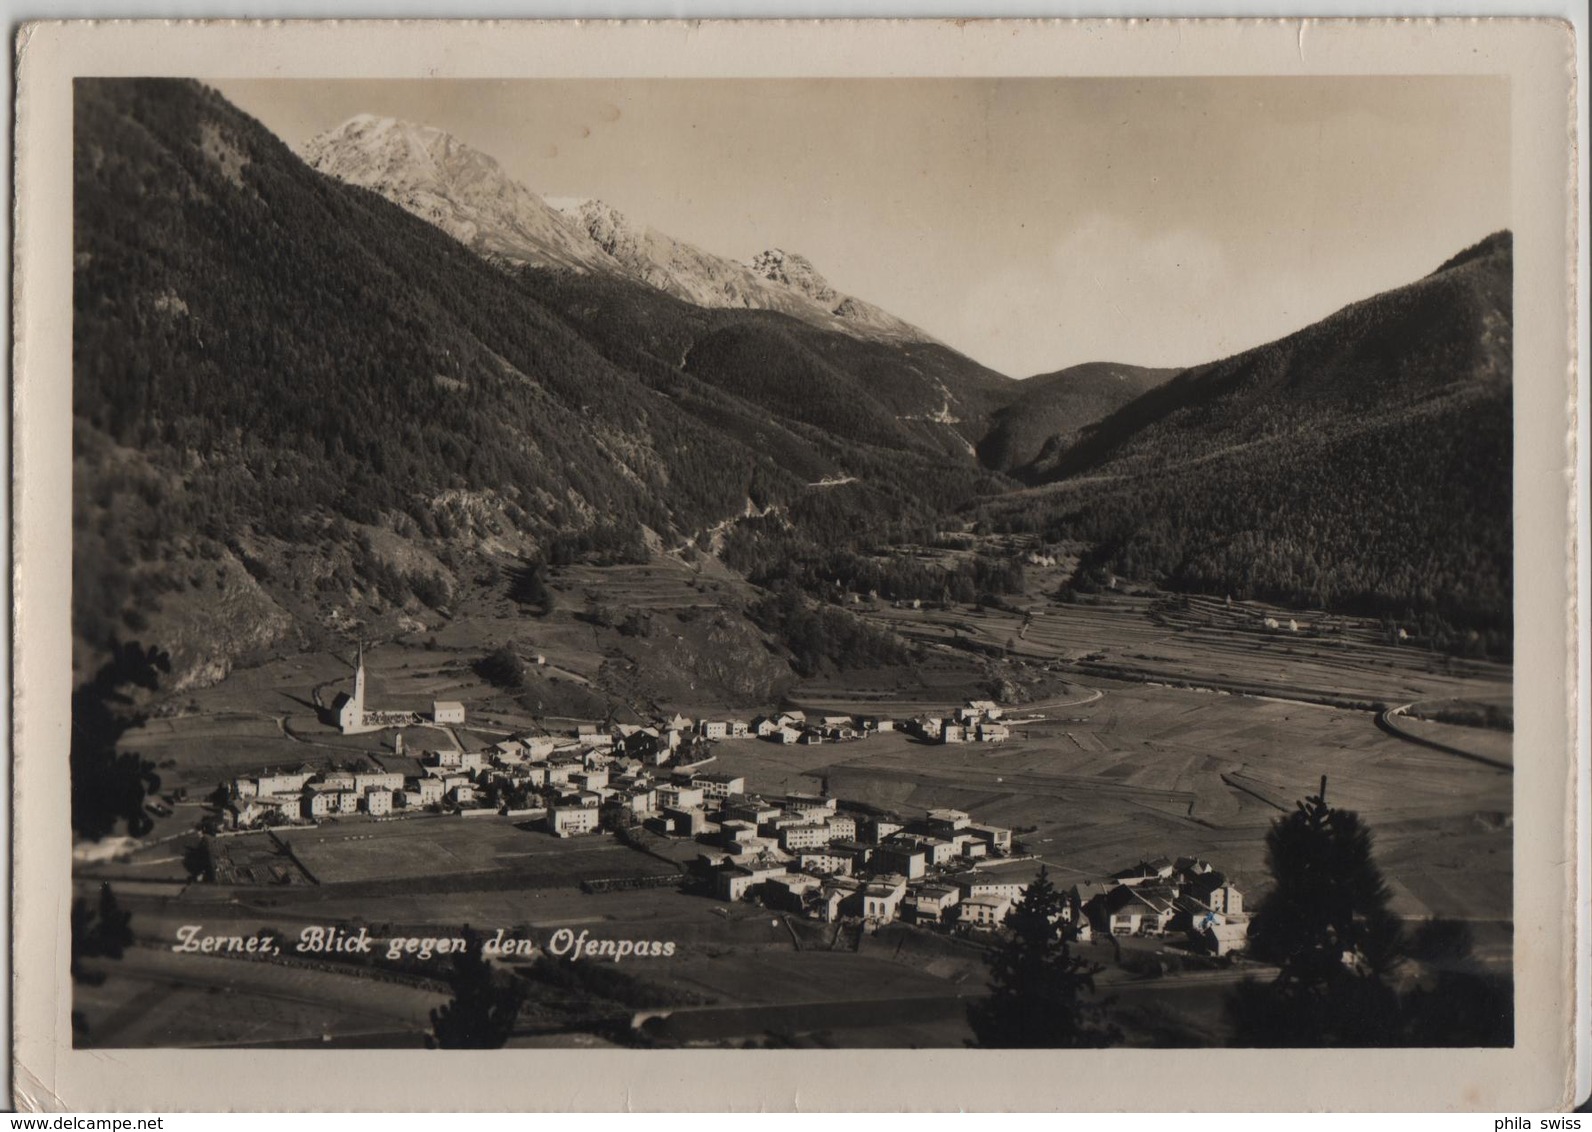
(359, 681)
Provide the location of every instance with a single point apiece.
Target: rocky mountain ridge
(467, 194)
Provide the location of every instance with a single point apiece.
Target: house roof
(794, 881)
(1160, 897)
(905, 847)
(1203, 884)
(987, 901)
(1122, 897)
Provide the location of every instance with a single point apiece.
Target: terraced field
(1335, 659)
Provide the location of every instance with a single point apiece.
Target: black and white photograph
(940, 562)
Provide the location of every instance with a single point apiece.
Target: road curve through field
(1388, 720)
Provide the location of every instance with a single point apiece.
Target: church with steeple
(355, 717)
(350, 710)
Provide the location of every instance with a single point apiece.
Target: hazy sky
(1030, 223)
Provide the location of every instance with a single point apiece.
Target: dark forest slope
(263, 355)
(914, 395)
(1363, 463)
(1050, 410)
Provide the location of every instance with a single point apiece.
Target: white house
(983, 911)
(568, 821)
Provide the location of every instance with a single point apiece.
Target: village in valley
(808, 854)
(831, 867)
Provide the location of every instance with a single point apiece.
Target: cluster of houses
(976, 721)
(655, 773)
(1162, 897)
(568, 778)
(803, 855)
(650, 772)
(308, 793)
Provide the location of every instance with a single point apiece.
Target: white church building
(355, 718)
(351, 715)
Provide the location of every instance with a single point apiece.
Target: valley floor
(1139, 740)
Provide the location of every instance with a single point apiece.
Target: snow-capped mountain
(467, 194)
(456, 187)
(661, 261)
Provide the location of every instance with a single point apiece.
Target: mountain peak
(467, 194)
(455, 186)
(795, 271)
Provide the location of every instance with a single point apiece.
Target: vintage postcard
(752, 564)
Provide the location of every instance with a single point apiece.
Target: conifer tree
(1038, 988)
(99, 931)
(484, 1007)
(109, 786)
(1327, 926)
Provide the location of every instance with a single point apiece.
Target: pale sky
(1030, 223)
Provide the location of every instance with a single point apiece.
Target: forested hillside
(299, 406)
(1050, 410)
(913, 394)
(1363, 463)
(287, 361)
